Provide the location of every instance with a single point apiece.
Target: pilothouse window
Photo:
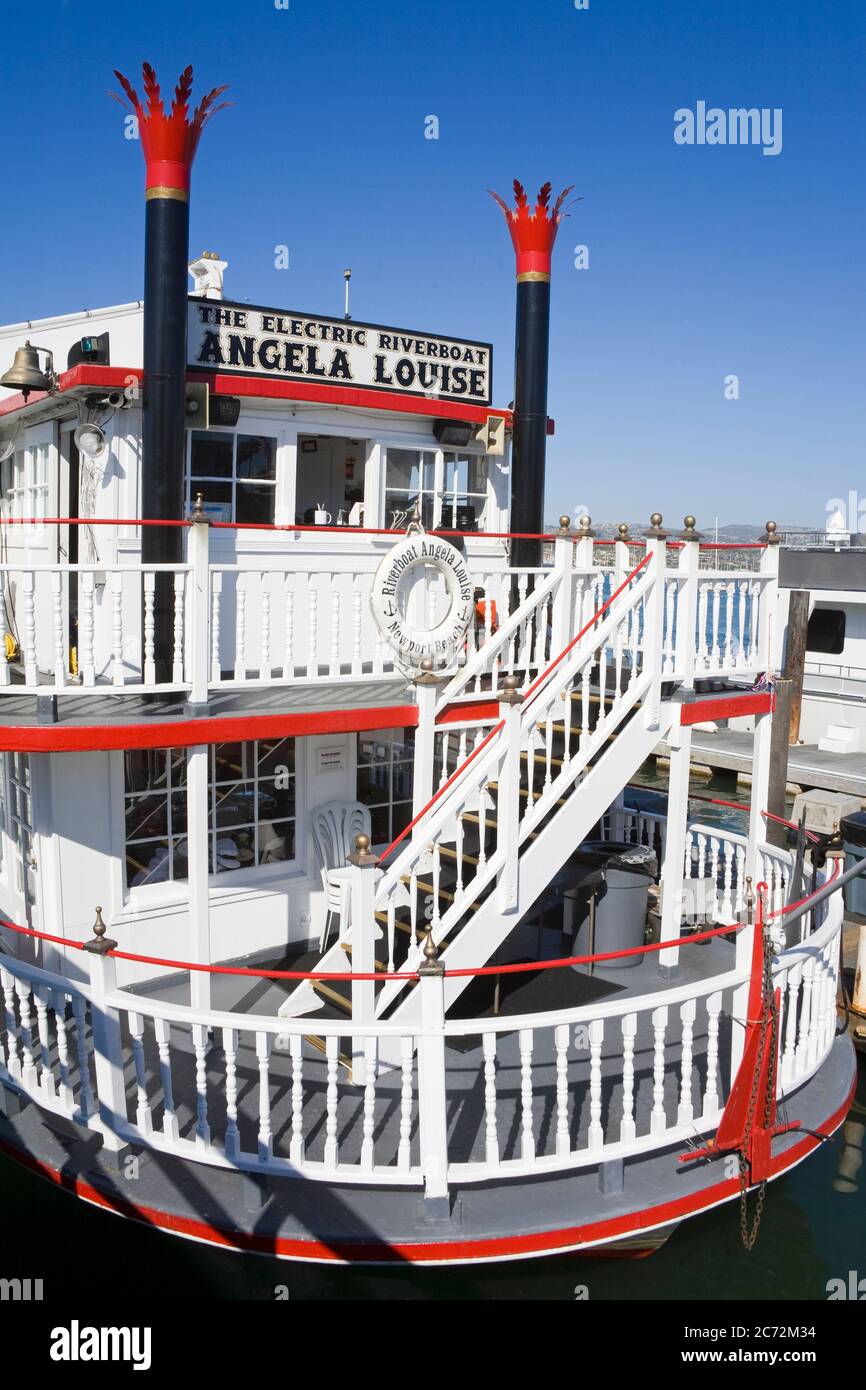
(451, 489)
(236, 474)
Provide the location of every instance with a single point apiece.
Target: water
(811, 1232)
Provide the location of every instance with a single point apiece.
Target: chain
(749, 1234)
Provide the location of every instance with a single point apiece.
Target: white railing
(47, 1047)
(279, 624)
(296, 616)
(112, 637)
(521, 1095)
(724, 616)
(718, 857)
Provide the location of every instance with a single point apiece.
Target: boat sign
(252, 341)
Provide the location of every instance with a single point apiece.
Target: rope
(519, 967)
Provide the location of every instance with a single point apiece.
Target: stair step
(405, 927)
(452, 854)
(324, 987)
(343, 1058)
(444, 893)
(377, 964)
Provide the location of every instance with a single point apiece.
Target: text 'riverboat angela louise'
(389, 964)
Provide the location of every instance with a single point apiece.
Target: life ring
(413, 643)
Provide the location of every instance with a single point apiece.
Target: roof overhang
(87, 377)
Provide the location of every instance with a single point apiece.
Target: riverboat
(330, 927)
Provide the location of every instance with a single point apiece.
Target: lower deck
(630, 1208)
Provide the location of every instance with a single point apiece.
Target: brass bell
(25, 373)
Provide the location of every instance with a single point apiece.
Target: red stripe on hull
(569, 1239)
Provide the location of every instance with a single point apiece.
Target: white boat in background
(831, 565)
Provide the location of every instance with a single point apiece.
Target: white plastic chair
(334, 825)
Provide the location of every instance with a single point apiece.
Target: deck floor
(106, 705)
(808, 766)
(553, 990)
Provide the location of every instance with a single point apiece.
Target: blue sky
(704, 261)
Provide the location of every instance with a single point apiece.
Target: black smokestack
(533, 234)
(169, 141)
(529, 441)
(166, 248)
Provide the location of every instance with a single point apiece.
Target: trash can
(854, 843)
(617, 877)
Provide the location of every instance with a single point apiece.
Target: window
(410, 476)
(25, 482)
(251, 809)
(454, 497)
(236, 473)
(464, 492)
(385, 762)
(826, 631)
(16, 815)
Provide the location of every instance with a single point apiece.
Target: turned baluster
(686, 1110)
(595, 1137)
(332, 1044)
(289, 653)
(560, 1040)
(143, 1112)
(117, 627)
(263, 1058)
(527, 1138)
(369, 1120)
(149, 628)
(711, 1090)
(296, 1142)
(240, 629)
(491, 1136)
(407, 1055)
(627, 1129)
(265, 661)
(177, 655)
(658, 1120)
(232, 1136)
(162, 1030)
(60, 664)
(200, 1044)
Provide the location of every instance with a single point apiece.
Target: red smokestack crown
(169, 141)
(533, 232)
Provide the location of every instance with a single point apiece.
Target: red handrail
(519, 967)
(496, 729)
(354, 530)
(441, 791)
(585, 629)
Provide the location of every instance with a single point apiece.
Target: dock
(730, 750)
